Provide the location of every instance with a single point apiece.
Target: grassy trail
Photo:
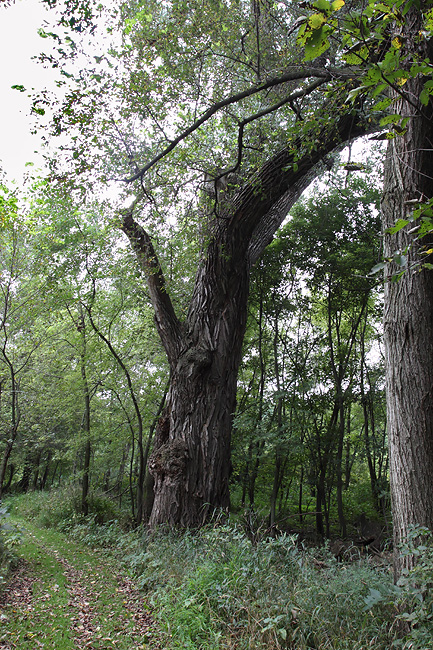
(64, 596)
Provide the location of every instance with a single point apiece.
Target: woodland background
(237, 371)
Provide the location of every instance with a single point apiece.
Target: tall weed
(218, 588)
(214, 590)
(413, 594)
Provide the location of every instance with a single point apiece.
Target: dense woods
(88, 394)
(191, 297)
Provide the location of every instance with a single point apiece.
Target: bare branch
(291, 75)
(263, 113)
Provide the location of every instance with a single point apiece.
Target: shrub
(416, 590)
(412, 597)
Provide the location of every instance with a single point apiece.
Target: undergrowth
(214, 589)
(9, 538)
(60, 508)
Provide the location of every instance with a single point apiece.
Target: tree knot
(194, 360)
(169, 459)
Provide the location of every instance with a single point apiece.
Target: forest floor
(64, 596)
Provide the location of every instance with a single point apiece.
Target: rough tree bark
(408, 315)
(191, 459)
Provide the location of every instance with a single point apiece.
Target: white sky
(19, 41)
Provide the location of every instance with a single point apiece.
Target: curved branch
(292, 75)
(263, 113)
(267, 227)
(261, 205)
(310, 166)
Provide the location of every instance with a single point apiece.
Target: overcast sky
(19, 41)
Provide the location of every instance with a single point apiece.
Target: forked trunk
(191, 458)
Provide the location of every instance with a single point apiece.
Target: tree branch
(266, 229)
(291, 75)
(263, 203)
(168, 325)
(266, 111)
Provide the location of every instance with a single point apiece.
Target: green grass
(214, 589)
(48, 617)
(55, 562)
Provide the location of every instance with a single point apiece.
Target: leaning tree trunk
(408, 315)
(191, 458)
(191, 461)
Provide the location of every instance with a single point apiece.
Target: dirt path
(64, 597)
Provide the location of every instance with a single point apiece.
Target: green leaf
(322, 5)
(390, 119)
(401, 223)
(373, 598)
(425, 228)
(374, 76)
(424, 97)
(18, 87)
(377, 268)
(383, 104)
(283, 633)
(316, 21)
(400, 260)
(317, 43)
(379, 89)
(356, 56)
(421, 68)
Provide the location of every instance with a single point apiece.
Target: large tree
(392, 42)
(408, 316)
(191, 461)
(218, 87)
(228, 113)
(213, 96)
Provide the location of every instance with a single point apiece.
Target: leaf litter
(127, 623)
